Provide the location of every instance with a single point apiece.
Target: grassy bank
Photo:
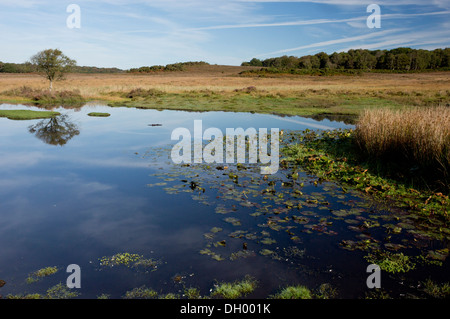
(307, 102)
(27, 114)
(248, 99)
(219, 88)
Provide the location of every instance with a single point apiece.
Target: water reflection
(55, 131)
(344, 118)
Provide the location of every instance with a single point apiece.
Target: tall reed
(419, 136)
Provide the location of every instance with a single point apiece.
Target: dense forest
(400, 59)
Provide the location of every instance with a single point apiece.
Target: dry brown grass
(419, 135)
(226, 79)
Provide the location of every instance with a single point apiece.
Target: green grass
(236, 289)
(306, 102)
(293, 292)
(27, 114)
(255, 102)
(303, 102)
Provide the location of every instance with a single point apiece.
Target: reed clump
(418, 138)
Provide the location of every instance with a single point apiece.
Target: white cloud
(20, 160)
(323, 44)
(19, 3)
(416, 39)
(439, 3)
(356, 21)
(282, 24)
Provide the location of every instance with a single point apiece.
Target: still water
(77, 189)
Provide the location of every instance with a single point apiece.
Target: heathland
(225, 88)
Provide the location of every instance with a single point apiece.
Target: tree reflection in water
(57, 130)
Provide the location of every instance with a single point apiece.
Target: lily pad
(242, 254)
(232, 220)
(266, 252)
(392, 246)
(237, 233)
(268, 241)
(222, 243)
(222, 210)
(440, 254)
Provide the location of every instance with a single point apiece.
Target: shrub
(140, 92)
(45, 97)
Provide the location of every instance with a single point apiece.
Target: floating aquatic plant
(125, 259)
(99, 114)
(41, 273)
(391, 262)
(213, 255)
(129, 260)
(60, 291)
(141, 293)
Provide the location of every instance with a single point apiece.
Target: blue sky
(134, 33)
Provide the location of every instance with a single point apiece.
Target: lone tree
(53, 64)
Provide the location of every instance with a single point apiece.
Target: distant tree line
(17, 68)
(28, 67)
(181, 66)
(94, 69)
(400, 59)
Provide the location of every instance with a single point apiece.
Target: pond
(103, 193)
